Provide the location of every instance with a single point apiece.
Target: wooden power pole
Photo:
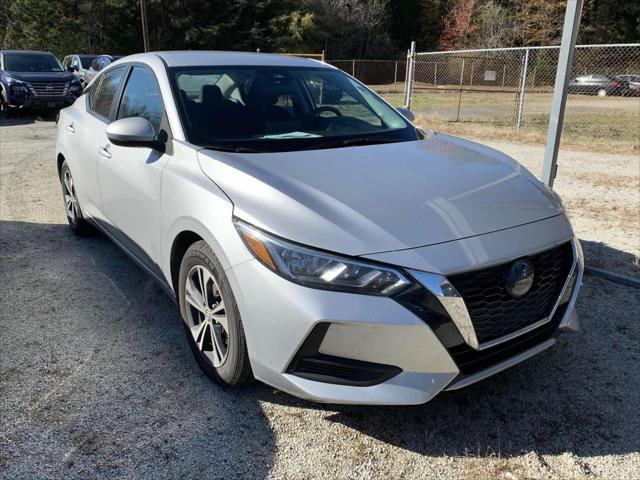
(145, 27)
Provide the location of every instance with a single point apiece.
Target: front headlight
(18, 89)
(316, 269)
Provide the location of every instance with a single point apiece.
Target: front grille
(48, 89)
(494, 313)
(470, 361)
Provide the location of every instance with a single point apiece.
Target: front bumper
(281, 320)
(41, 102)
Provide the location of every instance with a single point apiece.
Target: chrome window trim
(456, 307)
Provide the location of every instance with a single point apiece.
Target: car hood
(42, 76)
(378, 198)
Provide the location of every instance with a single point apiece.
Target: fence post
(523, 82)
(411, 62)
(504, 72)
(353, 68)
(435, 73)
(395, 78)
(460, 94)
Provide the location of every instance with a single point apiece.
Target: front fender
(191, 202)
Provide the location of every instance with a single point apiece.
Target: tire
(221, 350)
(5, 109)
(76, 220)
(602, 92)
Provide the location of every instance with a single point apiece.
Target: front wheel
(5, 109)
(602, 92)
(211, 318)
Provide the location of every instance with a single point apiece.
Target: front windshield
(31, 62)
(282, 108)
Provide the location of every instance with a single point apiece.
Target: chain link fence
(386, 77)
(513, 89)
(510, 89)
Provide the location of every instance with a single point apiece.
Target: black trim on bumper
(310, 364)
(471, 361)
(53, 103)
(427, 307)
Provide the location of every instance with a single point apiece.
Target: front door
(131, 177)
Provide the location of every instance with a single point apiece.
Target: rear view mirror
(406, 113)
(133, 132)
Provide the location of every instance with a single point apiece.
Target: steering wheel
(334, 110)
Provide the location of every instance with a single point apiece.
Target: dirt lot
(97, 381)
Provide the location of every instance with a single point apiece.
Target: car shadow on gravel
(600, 255)
(100, 365)
(94, 359)
(580, 397)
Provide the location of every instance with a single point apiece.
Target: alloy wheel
(70, 199)
(206, 315)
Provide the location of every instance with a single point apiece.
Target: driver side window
(141, 98)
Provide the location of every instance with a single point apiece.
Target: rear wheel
(72, 208)
(211, 318)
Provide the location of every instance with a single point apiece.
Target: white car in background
(313, 238)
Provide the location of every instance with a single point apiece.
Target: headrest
(211, 94)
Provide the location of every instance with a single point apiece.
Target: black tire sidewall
(234, 369)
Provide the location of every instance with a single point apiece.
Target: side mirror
(72, 68)
(133, 132)
(406, 113)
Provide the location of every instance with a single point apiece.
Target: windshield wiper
(352, 142)
(231, 148)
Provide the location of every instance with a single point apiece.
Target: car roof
(27, 52)
(199, 58)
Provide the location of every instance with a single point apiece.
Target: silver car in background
(78, 65)
(99, 63)
(313, 238)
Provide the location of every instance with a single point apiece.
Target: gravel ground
(97, 380)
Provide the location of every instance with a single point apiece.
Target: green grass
(591, 123)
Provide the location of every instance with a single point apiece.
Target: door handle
(104, 151)
(70, 128)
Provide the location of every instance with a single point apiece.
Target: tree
(604, 21)
(457, 26)
(542, 21)
(495, 27)
(432, 14)
(343, 28)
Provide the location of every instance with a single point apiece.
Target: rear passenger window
(101, 98)
(141, 98)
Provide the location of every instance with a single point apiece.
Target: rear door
(85, 130)
(130, 177)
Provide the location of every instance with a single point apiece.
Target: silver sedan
(313, 237)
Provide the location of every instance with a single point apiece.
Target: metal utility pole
(563, 74)
(145, 27)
